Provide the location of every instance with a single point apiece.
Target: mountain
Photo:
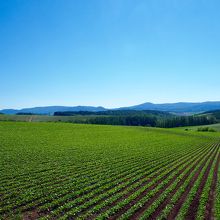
(181, 107)
(9, 111)
(178, 108)
(49, 110)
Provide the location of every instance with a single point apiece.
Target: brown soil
(31, 215)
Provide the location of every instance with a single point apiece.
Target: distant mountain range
(49, 110)
(178, 108)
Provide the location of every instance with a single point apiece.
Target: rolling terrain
(67, 171)
(147, 118)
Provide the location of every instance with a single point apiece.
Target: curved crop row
(67, 171)
(133, 198)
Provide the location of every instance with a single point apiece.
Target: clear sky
(108, 52)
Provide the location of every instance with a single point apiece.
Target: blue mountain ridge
(180, 108)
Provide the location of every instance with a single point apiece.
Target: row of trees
(137, 118)
(185, 121)
(124, 120)
(144, 120)
(115, 113)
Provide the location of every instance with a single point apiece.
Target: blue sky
(108, 52)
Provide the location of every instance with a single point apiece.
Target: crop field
(43, 118)
(194, 128)
(72, 171)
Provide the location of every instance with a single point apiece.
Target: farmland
(73, 171)
(216, 127)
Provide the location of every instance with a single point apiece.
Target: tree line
(138, 118)
(182, 121)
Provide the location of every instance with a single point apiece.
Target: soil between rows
(172, 215)
(193, 208)
(123, 197)
(209, 214)
(140, 211)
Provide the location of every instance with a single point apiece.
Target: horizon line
(102, 106)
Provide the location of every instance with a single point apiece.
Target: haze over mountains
(179, 108)
(49, 110)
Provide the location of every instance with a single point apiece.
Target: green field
(195, 128)
(72, 171)
(42, 118)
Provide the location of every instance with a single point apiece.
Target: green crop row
(186, 205)
(171, 166)
(167, 185)
(114, 189)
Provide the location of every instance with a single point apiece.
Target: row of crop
(52, 180)
(55, 171)
(155, 181)
(110, 184)
(57, 190)
(50, 168)
(173, 200)
(217, 195)
(38, 177)
(183, 181)
(205, 192)
(88, 200)
(69, 185)
(100, 207)
(36, 157)
(186, 202)
(66, 168)
(78, 184)
(29, 169)
(150, 201)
